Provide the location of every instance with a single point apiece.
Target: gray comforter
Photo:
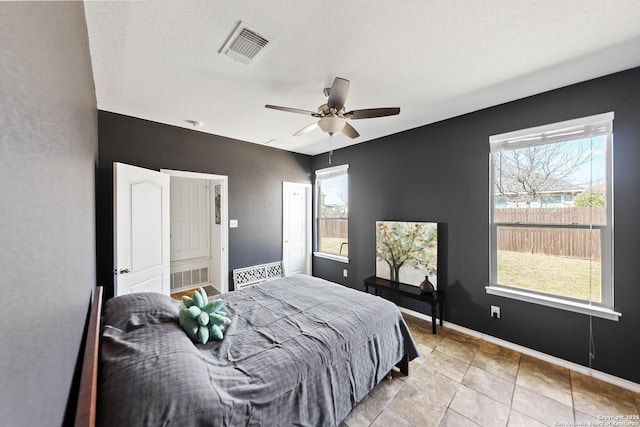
(299, 351)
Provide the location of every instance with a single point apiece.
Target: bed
(299, 351)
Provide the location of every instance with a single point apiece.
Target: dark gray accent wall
(48, 154)
(440, 173)
(255, 176)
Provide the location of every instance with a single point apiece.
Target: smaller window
(332, 213)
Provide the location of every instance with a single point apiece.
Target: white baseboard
(603, 376)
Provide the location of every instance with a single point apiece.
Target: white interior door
(189, 218)
(141, 230)
(219, 225)
(296, 228)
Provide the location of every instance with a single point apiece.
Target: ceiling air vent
(245, 44)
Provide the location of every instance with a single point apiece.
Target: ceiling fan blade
(312, 126)
(338, 93)
(370, 113)
(292, 110)
(350, 131)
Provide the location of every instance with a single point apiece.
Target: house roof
(160, 60)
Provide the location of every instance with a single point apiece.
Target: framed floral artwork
(407, 252)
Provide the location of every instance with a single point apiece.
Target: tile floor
(460, 380)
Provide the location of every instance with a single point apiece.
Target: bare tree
(411, 244)
(528, 173)
(342, 194)
(339, 194)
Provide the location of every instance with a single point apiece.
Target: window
(551, 205)
(332, 213)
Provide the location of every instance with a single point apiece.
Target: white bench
(248, 276)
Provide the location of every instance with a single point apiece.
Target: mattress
(300, 351)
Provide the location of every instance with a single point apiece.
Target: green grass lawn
(571, 277)
(576, 278)
(332, 245)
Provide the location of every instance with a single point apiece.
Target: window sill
(338, 258)
(549, 301)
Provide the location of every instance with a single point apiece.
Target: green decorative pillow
(203, 320)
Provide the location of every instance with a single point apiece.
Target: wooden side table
(435, 298)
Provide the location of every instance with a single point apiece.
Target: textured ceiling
(436, 59)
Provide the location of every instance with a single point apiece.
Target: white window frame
(600, 124)
(320, 175)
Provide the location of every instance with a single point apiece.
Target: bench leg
(434, 318)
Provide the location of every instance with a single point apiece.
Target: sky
(335, 190)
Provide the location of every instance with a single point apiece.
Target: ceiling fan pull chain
(330, 147)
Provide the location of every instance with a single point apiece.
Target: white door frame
(306, 188)
(224, 218)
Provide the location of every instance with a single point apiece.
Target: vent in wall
(189, 278)
(245, 44)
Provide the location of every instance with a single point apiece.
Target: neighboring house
(333, 211)
(544, 192)
(546, 199)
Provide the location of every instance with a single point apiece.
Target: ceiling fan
(332, 115)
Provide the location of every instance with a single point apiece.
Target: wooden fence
(596, 215)
(568, 242)
(333, 227)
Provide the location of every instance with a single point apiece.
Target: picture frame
(407, 252)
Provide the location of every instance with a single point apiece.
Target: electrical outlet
(495, 311)
(344, 273)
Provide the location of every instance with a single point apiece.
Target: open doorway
(199, 232)
(296, 228)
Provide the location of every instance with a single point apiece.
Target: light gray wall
(48, 154)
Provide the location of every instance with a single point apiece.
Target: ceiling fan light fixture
(332, 114)
(331, 124)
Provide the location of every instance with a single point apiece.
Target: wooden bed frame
(86, 404)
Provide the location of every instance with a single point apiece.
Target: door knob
(124, 271)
